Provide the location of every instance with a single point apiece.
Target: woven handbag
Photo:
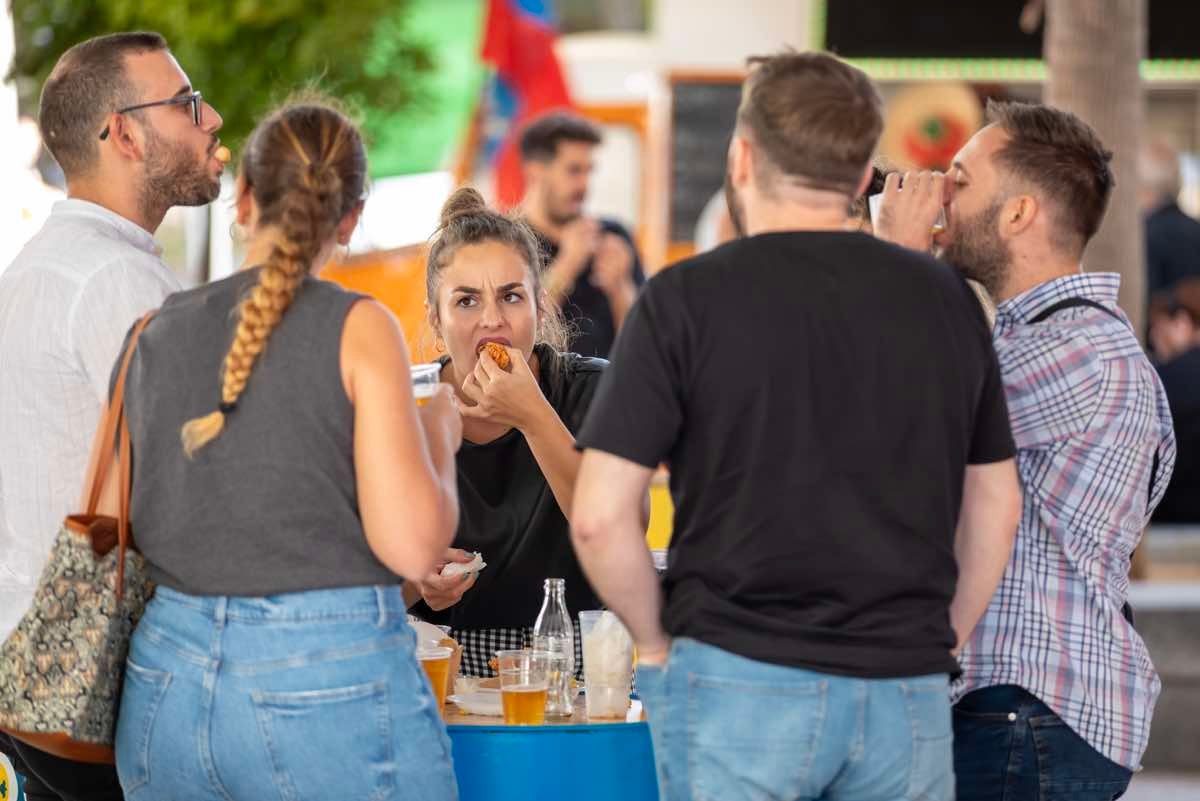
(61, 669)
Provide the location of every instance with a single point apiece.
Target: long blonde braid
(301, 215)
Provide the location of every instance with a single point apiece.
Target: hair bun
(463, 201)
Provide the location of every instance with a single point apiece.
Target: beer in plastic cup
(524, 682)
(435, 659)
(425, 380)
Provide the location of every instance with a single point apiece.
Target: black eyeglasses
(178, 100)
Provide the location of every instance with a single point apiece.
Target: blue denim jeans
(305, 695)
(1009, 746)
(727, 728)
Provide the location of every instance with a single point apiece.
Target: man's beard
(978, 252)
(737, 210)
(566, 211)
(174, 177)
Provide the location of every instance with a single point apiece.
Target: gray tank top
(270, 506)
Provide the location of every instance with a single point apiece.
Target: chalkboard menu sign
(703, 111)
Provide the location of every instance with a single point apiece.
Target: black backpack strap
(1074, 303)
(1071, 303)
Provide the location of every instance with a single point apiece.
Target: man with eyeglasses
(134, 139)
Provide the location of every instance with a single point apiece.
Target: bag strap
(114, 416)
(115, 425)
(1071, 303)
(125, 465)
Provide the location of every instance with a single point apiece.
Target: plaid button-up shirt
(1088, 415)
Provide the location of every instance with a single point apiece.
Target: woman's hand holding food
(441, 592)
(510, 397)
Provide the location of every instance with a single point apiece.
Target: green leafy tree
(246, 55)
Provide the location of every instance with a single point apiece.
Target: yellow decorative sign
(8, 780)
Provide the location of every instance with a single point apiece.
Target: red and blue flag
(518, 42)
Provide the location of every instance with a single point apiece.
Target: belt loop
(220, 610)
(381, 601)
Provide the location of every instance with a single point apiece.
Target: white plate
(479, 702)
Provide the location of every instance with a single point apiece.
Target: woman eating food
(521, 398)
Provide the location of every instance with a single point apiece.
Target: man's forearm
(561, 276)
(980, 567)
(610, 541)
(983, 541)
(621, 571)
(620, 301)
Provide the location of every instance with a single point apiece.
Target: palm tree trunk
(1093, 50)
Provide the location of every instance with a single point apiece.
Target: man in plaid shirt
(1057, 687)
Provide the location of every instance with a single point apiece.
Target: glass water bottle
(553, 632)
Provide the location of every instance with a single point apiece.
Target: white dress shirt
(66, 303)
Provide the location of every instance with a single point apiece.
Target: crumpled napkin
(458, 568)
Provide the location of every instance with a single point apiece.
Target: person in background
(1172, 237)
(845, 494)
(1175, 334)
(1057, 689)
(133, 138)
(592, 267)
(518, 465)
(283, 478)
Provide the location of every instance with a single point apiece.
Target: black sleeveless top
(508, 513)
(270, 506)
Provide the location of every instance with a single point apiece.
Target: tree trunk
(1093, 50)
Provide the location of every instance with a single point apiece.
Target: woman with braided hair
(283, 481)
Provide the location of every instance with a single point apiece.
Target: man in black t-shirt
(841, 464)
(1172, 235)
(592, 267)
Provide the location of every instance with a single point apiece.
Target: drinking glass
(524, 682)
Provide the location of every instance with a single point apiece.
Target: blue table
(574, 760)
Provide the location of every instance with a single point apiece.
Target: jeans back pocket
(744, 734)
(141, 697)
(330, 741)
(931, 776)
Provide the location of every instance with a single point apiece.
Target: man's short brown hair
(816, 119)
(86, 85)
(540, 139)
(1060, 155)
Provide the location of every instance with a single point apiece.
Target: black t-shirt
(508, 513)
(817, 396)
(1172, 247)
(1181, 381)
(586, 308)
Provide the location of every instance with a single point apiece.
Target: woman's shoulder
(571, 368)
(222, 295)
(571, 382)
(205, 293)
(586, 368)
(324, 286)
